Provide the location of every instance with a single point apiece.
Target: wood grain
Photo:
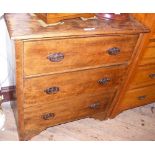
(141, 69)
(115, 109)
(26, 26)
(146, 18)
(65, 111)
(134, 124)
(50, 18)
(72, 84)
(138, 97)
(144, 76)
(78, 53)
(86, 74)
(148, 56)
(18, 106)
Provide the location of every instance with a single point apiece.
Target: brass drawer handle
(94, 106)
(48, 116)
(113, 51)
(56, 57)
(141, 97)
(104, 81)
(52, 90)
(152, 76)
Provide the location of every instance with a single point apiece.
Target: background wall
(7, 57)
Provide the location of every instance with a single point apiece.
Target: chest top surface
(27, 26)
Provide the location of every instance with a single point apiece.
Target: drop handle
(113, 51)
(94, 106)
(52, 90)
(104, 81)
(152, 76)
(56, 57)
(141, 97)
(48, 116)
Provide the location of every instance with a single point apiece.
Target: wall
(7, 57)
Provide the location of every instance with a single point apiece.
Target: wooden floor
(135, 124)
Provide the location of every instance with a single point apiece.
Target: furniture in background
(112, 16)
(140, 86)
(70, 71)
(51, 18)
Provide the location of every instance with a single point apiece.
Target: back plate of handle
(113, 51)
(104, 81)
(48, 116)
(141, 97)
(94, 105)
(56, 57)
(52, 90)
(152, 76)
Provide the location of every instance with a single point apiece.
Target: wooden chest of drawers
(140, 88)
(69, 71)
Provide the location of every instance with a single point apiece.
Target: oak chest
(69, 71)
(140, 87)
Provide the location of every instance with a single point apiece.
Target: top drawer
(47, 56)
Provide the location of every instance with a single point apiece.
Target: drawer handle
(56, 57)
(48, 116)
(113, 51)
(141, 97)
(52, 90)
(94, 106)
(152, 76)
(104, 81)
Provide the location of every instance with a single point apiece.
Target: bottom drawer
(138, 97)
(49, 114)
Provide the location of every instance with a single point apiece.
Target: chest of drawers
(69, 71)
(140, 88)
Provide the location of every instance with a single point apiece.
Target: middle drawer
(66, 110)
(60, 86)
(51, 56)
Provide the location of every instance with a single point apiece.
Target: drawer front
(138, 97)
(67, 54)
(60, 86)
(153, 27)
(149, 54)
(144, 76)
(59, 112)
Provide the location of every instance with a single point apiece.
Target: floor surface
(135, 124)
